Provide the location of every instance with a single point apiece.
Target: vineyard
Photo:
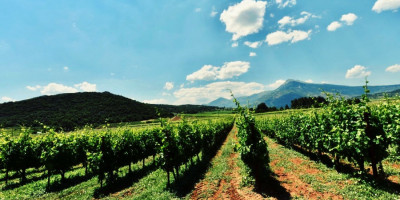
(339, 151)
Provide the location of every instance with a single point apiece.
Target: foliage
(252, 147)
(357, 132)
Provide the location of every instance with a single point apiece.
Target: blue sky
(179, 52)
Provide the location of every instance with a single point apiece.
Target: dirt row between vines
(228, 188)
(289, 177)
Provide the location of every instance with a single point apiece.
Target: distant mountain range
(293, 89)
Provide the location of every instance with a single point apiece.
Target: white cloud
(252, 54)
(333, 26)
(309, 81)
(86, 87)
(156, 101)
(66, 68)
(286, 20)
(7, 99)
(290, 36)
(197, 10)
(253, 45)
(349, 18)
(272, 15)
(213, 12)
(228, 70)
(235, 44)
(33, 88)
(393, 68)
(287, 3)
(276, 84)
(55, 88)
(357, 71)
(169, 85)
(212, 91)
(244, 18)
(383, 5)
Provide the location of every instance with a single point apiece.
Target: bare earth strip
(228, 187)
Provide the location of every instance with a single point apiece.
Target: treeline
(303, 102)
(69, 111)
(308, 102)
(103, 153)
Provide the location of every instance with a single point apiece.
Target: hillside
(293, 89)
(78, 109)
(382, 94)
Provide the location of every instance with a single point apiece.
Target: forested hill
(78, 109)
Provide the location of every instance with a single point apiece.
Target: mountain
(293, 89)
(68, 111)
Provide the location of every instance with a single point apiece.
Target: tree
(262, 107)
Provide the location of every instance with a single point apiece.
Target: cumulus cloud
(287, 3)
(86, 87)
(228, 70)
(287, 20)
(212, 91)
(333, 26)
(169, 85)
(244, 18)
(55, 88)
(252, 54)
(357, 71)
(7, 99)
(290, 36)
(383, 5)
(349, 18)
(253, 45)
(235, 44)
(276, 84)
(156, 101)
(33, 88)
(393, 68)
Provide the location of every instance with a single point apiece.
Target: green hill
(68, 111)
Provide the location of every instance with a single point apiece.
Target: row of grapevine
(359, 133)
(180, 144)
(251, 145)
(104, 152)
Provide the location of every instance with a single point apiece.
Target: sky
(193, 52)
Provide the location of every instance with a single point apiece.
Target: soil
(228, 189)
(176, 118)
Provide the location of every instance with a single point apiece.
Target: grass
(217, 171)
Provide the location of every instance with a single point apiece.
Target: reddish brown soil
(176, 118)
(394, 179)
(291, 181)
(227, 189)
(396, 166)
